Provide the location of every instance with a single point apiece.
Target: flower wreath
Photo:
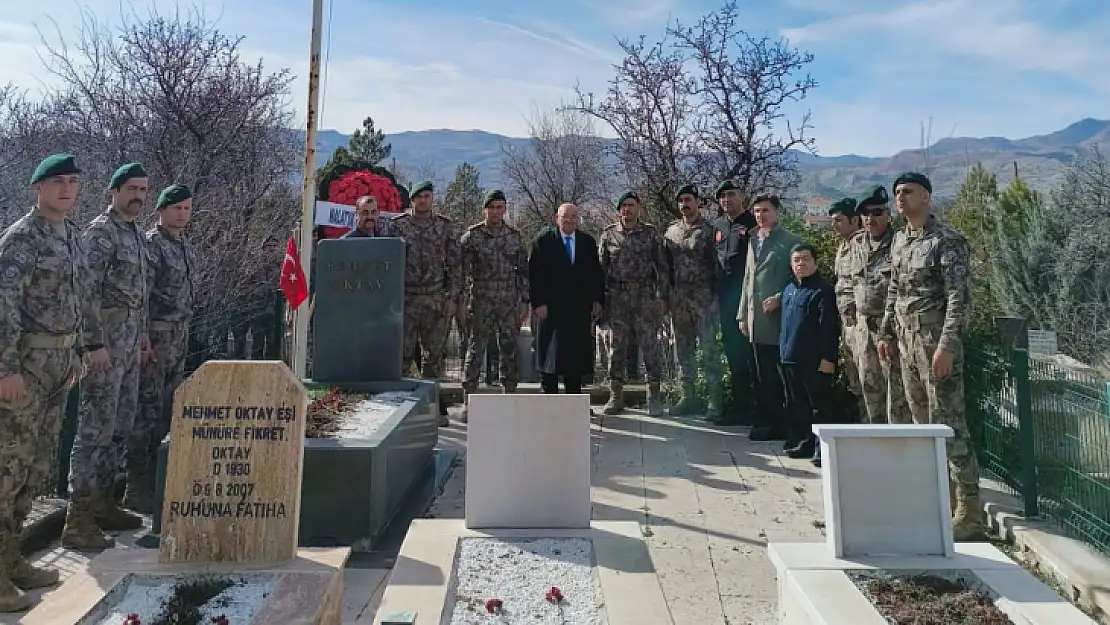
(344, 184)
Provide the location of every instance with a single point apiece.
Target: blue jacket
(810, 330)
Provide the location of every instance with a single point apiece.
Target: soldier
(41, 314)
(495, 264)
(636, 284)
(116, 336)
(691, 253)
(867, 268)
(926, 313)
(432, 280)
(845, 222)
(172, 283)
(732, 236)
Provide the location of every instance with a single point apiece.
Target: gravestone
(236, 453)
(528, 461)
(358, 323)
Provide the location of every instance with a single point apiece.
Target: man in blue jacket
(808, 340)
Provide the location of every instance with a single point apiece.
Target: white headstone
(886, 489)
(528, 461)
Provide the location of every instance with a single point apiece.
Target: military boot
(140, 492)
(81, 532)
(967, 521)
(12, 599)
(22, 573)
(654, 400)
(112, 518)
(615, 405)
(687, 403)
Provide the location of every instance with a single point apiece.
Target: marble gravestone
(358, 323)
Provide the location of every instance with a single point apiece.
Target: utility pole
(308, 192)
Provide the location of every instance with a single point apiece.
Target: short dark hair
(804, 247)
(768, 197)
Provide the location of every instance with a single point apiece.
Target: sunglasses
(872, 211)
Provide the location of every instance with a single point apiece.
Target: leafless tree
(20, 123)
(173, 92)
(564, 161)
(648, 106)
(740, 88)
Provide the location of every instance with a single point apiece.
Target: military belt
(628, 285)
(114, 315)
(919, 320)
(159, 324)
(47, 341)
(423, 289)
(489, 284)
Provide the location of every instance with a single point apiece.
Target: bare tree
(172, 91)
(739, 91)
(648, 106)
(563, 162)
(20, 124)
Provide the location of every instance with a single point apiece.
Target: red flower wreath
(349, 187)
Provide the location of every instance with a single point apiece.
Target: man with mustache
(692, 258)
(116, 336)
(41, 311)
(172, 276)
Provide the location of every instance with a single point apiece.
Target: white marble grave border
(422, 575)
(814, 588)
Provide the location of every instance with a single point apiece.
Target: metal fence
(1042, 428)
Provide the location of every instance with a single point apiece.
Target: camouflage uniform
(495, 269)
(432, 277)
(926, 309)
(635, 271)
(117, 294)
(868, 269)
(172, 277)
(41, 313)
(691, 253)
(845, 304)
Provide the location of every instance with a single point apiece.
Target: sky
(884, 68)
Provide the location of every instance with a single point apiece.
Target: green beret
(492, 196)
(420, 187)
(724, 186)
(846, 207)
(686, 189)
(55, 165)
(876, 197)
(912, 176)
(173, 194)
(125, 173)
(626, 196)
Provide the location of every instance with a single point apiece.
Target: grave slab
(358, 323)
(528, 461)
(307, 589)
(815, 589)
(886, 489)
(424, 578)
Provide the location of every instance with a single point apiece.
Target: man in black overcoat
(566, 292)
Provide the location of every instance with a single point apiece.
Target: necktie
(570, 252)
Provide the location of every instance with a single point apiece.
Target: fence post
(1026, 431)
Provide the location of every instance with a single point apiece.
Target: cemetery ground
(707, 498)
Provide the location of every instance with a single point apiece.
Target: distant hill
(1041, 160)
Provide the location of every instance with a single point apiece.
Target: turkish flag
(292, 276)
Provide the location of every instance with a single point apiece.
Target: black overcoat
(564, 343)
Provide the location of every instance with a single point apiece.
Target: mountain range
(1039, 160)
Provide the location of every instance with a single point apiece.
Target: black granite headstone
(358, 324)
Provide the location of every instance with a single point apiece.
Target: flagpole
(308, 191)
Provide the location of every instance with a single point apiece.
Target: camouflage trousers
(633, 312)
(109, 403)
(493, 314)
(29, 431)
(426, 328)
(158, 380)
(938, 401)
(696, 325)
(884, 396)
